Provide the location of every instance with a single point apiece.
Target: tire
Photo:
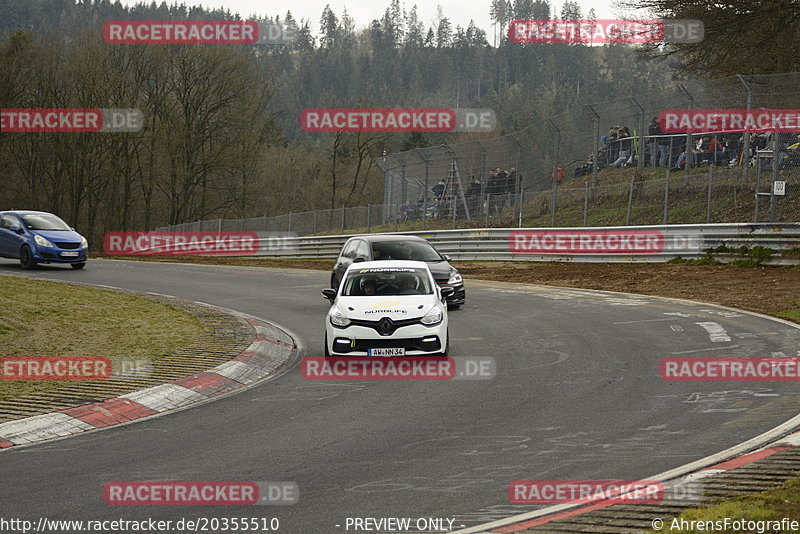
(454, 306)
(26, 258)
(78, 266)
(327, 352)
(446, 350)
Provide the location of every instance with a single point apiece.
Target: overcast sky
(363, 11)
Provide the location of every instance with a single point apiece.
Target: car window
(386, 282)
(362, 250)
(349, 250)
(7, 221)
(405, 250)
(44, 221)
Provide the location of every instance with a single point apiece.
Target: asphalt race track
(577, 397)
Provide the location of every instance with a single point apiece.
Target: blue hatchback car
(40, 237)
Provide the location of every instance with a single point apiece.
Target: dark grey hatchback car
(400, 247)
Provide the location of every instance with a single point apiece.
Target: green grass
(772, 505)
(40, 318)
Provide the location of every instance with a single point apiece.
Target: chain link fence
(596, 165)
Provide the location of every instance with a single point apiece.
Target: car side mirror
(447, 291)
(329, 294)
(447, 258)
(358, 259)
(15, 229)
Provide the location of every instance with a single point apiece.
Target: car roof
(388, 264)
(27, 212)
(373, 238)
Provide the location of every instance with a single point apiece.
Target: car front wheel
(26, 258)
(77, 266)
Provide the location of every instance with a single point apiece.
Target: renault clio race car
(387, 308)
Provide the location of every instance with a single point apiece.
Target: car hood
(396, 307)
(440, 270)
(62, 236)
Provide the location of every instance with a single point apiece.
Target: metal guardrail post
(630, 202)
(773, 204)
(585, 202)
(708, 195)
(666, 184)
(596, 143)
(640, 138)
(689, 162)
(554, 175)
(745, 135)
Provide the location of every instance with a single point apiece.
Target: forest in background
(221, 135)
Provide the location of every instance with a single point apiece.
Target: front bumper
(418, 340)
(459, 297)
(56, 255)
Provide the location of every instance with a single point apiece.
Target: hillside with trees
(222, 136)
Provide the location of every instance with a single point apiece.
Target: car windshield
(405, 250)
(44, 221)
(388, 281)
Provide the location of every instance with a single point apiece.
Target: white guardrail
(613, 244)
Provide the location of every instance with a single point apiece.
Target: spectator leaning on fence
(659, 146)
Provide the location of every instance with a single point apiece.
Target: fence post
(342, 219)
(369, 219)
(630, 202)
(746, 135)
(219, 225)
(666, 186)
(585, 202)
(289, 223)
(521, 204)
(688, 163)
(315, 222)
(708, 195)
(395, 211)
(758, 186)
(265, 222)
(554, 175)
(640, 139)
(596, 143)
(773, 200)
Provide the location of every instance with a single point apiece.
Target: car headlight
(42, 242)
(84, 243)
(434, 316)
(455, 278)
(338, 318)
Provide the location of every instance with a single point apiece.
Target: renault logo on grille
(386, 326)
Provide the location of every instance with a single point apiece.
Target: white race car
(387, 308)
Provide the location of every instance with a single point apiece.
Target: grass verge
(41, 318)
(770, 505)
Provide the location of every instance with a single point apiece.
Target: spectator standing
(659, 146)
